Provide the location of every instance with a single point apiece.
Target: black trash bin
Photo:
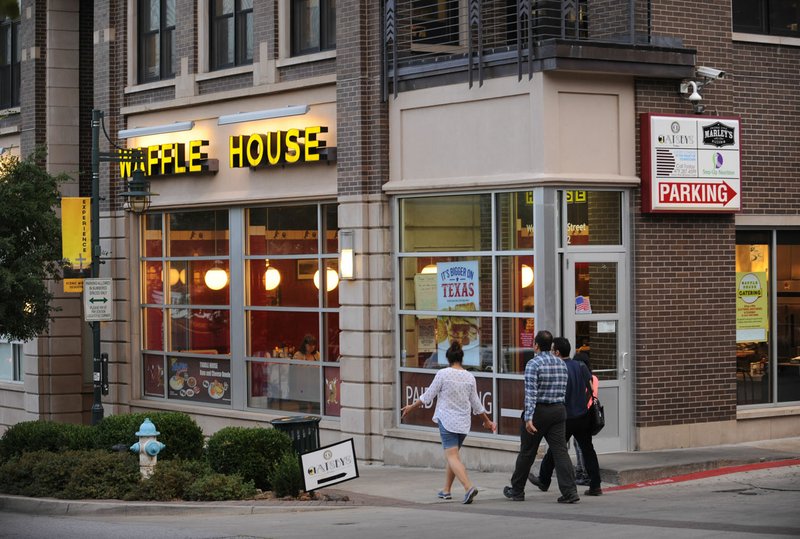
(304, 431)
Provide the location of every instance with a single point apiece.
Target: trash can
(304, 431)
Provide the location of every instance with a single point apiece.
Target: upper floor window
(231, 33)
(313, 26)
(9, 63)
(771, 17)
(156, 40)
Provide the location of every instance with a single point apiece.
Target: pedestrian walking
(578, 395)
(544, 417)
(456, 394)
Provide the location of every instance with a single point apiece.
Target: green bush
(171, 479)
(40, 435)
(70, 474)
(181, 435)
(286, 477)
(249, 452)
(219, 487)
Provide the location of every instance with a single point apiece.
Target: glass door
(597, 323)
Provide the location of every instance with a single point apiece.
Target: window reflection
(594, 217)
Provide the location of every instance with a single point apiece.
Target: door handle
(624, 365)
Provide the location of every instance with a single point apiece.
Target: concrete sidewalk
(392, 485)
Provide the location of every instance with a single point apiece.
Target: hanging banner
(76, 241)
(752, 307)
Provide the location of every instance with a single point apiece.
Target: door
(597, 322)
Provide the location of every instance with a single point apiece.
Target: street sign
(98, 300)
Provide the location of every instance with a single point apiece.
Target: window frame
(327, 13)
(10, 72)
(16, 360)
(166, 61)
(766, 27)
(240, 29)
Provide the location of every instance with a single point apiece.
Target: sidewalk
(391, 485)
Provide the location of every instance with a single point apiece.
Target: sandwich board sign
(98, 300)
(329, 465)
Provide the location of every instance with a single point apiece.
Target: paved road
(761, 503)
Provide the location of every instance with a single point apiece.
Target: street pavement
(391, 486)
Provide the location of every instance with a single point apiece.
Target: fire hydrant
(147, 447)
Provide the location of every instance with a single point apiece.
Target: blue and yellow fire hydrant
(147, 447)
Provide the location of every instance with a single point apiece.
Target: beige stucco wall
(551, 129)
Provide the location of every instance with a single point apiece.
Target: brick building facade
(500, 135)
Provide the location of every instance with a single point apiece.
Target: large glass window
(231, 33)
(767, 350)
(9, 63)
(313, 26)
(277, 311)
(771, 17)
(292, 308)
(157, 37)
(466, 270)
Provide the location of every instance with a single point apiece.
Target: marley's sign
(257, 150)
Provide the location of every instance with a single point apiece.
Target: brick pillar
(367, 363)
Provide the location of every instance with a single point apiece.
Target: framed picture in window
(306, 269)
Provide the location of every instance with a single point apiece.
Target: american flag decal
(582, 305)
(665, 162)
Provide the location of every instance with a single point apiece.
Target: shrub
(102, 475)
(170, 480)
(286, 477)
(218, 487)
(181, 435)
(250, 452)
(70, 474)
(44, 436)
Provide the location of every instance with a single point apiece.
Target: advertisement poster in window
(457, 289)
(752, 307)
(199, 380)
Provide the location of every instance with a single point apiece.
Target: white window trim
(133, 46)
(203, 37)
(231, 71)
(285, 57)
(768, 39)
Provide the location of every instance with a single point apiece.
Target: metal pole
(97, 405)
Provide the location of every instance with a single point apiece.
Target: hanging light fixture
(176, 276)
(527, 275)
(430, 268)
(331, 280)
(216, 278)
(272, 277)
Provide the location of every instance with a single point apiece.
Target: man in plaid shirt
(544, 417)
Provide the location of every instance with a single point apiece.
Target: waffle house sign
(256, 150)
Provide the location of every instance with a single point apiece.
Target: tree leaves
(30, 246)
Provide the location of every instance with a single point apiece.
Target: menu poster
(200, 381)
(752, 305)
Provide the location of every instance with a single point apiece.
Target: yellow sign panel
(76, 241)
(752, 306)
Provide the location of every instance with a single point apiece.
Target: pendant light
(527, 275)
(272, 277)
(332, 279)
(216, 278)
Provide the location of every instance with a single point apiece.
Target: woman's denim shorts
(451, 439)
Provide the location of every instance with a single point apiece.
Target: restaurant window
(10, 361)
(9, 64)
(767, 351)
(156, 40)
(231, 33)
(466, 273)
(292, 309)
(770, 17)
(313, 26)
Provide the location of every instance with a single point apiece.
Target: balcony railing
(425, 36)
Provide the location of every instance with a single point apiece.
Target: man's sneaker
(583, 481)
(534, 479)
(594, 492)
(509, 493)
(444, 495)
(569, 498)
(470, 495)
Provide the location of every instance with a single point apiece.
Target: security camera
(709, 72)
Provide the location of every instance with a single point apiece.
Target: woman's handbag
(597, 416)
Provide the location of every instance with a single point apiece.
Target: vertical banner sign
(690, 164)
(752, 320)
(76, 241)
